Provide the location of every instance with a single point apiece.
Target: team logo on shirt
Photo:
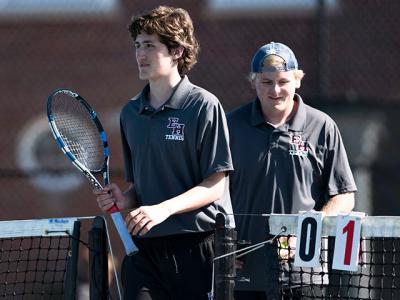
(176, 130)
(297, 145)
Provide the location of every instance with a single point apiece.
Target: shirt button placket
(273, 140)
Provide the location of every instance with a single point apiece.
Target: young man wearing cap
(296, 162)
(176, 149)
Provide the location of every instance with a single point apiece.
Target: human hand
(287, 247)
(239, 264)
(142, 219)
(109, 196)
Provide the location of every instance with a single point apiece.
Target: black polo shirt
(297, 166)
(174, 148)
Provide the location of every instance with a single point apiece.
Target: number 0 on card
(308, 244)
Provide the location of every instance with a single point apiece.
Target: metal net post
(225, 272)
(72, 264)
(98, 260)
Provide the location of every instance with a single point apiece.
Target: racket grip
(129, 245)
(113, 209)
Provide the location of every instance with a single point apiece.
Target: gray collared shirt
(297, 166)
(174, 148)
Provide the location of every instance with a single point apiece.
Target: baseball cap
(279, 49)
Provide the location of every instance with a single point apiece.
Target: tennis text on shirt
(177, 130)
(297, 145)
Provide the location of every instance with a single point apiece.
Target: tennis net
(38, 258)
(377, 275)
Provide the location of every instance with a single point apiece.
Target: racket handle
(113, 209)
(130, 247)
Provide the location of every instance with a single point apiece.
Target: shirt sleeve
(127, 154)
(337, 168)
(213, 141)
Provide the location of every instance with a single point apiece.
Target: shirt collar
(296, 123)
(257, 117)
(175, 101)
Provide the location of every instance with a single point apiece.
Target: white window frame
(266, 6)
(10, 8)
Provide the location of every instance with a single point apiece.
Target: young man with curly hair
(176, 151)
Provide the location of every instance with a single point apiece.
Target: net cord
(245, 251)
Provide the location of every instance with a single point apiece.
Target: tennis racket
(81, 137)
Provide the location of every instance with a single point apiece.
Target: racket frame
(65, 149)
(114, 211)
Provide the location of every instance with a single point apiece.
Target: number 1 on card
(347, 241)
(349, 231)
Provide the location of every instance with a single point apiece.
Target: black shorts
(172, 267)
(293, 294)
(262, 295)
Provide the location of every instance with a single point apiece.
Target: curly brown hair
(174, 28)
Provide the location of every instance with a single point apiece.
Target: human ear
(177, 52)
(298, 83)
(253, 86)
(251, 77)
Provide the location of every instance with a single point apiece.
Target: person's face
(153, 58)
(276, 90)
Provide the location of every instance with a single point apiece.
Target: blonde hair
(277, 62)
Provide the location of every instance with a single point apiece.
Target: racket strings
(78, 131)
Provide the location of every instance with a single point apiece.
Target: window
(58, 7)
(266, 6)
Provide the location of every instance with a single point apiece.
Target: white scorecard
(347, 241)
(308, 244)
